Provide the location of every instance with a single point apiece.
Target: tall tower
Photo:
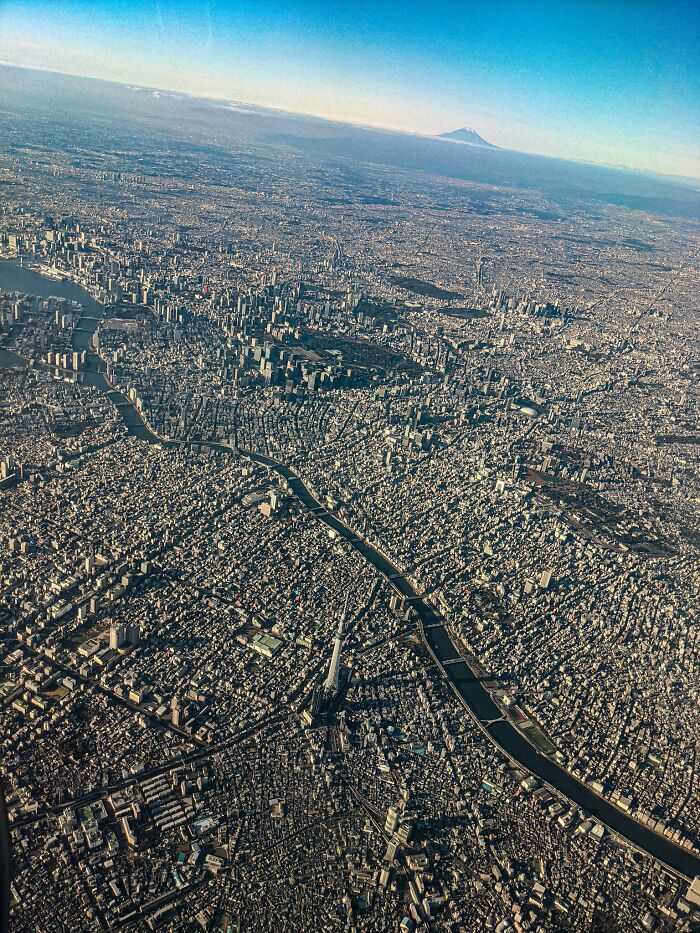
(331, 683)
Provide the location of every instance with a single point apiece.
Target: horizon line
(686, 179)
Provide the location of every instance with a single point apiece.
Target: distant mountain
(170, 120)
(467, 135)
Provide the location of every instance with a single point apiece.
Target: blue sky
(613, 81)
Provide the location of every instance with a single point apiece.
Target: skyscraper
(331, 684)
(117, 636)
(392, 820)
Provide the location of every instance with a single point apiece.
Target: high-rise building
(117, 636)
(333, 678)
(392, 820)
(392, 848)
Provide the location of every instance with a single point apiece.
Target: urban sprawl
(269, 436)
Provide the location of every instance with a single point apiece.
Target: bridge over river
(465, 683)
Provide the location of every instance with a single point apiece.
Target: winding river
(466, 685)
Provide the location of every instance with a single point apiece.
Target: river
(467, 686)
(14, 277)
(477, 699)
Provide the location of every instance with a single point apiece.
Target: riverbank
(463, 679)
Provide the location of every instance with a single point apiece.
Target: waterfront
(478, 700)
(464, 682)
(20, 278)
(389, 472)
(14, 277)
(10, 359)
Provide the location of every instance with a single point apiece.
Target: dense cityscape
(349, 530)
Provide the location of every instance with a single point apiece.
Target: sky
(612, 81)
